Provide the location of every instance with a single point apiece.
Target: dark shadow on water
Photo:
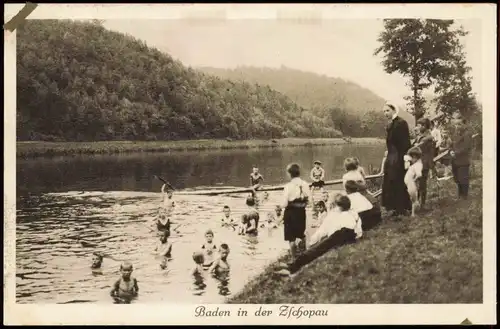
(199, 285)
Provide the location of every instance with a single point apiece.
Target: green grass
(435, 257)
(35, 149)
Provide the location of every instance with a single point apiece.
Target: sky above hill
(336, 48)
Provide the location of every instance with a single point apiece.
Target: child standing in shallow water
(221, 264)
(126, 287)
(208, 248)
(164, 249)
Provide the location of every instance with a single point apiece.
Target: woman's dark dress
(394, 193)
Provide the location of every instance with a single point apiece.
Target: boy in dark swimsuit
(125, 288)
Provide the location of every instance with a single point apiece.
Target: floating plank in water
(262, 189)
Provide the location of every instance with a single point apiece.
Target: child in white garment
(413, 175)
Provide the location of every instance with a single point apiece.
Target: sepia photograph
(202, 161)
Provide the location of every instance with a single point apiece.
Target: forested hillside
(321, 94)
(79, 82)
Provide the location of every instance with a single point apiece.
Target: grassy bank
(36, 149)
(433, 258)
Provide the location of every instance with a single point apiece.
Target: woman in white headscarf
(395, 196)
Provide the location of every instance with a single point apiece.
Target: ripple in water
(54, 266)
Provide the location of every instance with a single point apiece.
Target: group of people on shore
(338, 219)
(406, 168)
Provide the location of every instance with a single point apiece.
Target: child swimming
(167, 202)
(221, 264)
(97, 260)
(199, 259)
(126, 287)
(164, 249)
(274, 218)
(208, 248)
(227, 219)
(249, 220)
(163, 221)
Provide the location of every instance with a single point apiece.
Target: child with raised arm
(125, 288)
(167, 202)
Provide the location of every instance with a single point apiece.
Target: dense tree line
(350, 108)
(77, 81)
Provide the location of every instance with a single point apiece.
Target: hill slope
(77, 81)
(317, 92)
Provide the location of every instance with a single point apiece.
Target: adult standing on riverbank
(395, 197)
(461, 152)
(296, 195)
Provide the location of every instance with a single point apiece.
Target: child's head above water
(250, 201)
(164, 237)
(317, 164)
(224, 251)
(278, 209)
(126, 270)
(342, 202)
(198, 257)
(415, 153)
(97, 260)
(325, 196)
(226, 210)
(209, 236)
(350, 164)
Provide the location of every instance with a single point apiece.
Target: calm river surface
(111, 201)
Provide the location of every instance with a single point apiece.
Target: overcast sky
(337, 48)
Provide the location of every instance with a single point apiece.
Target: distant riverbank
(39, 149)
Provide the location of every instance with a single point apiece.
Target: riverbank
(433, 258)
(39, 149)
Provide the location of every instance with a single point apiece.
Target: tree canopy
(77, 81)
(421, 50)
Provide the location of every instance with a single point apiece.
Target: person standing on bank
(426, 143)
(461, 156)
(395, 197)
(296, 195)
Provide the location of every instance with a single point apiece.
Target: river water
(110, 202)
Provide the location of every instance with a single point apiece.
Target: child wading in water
(249, 220)
(125, 288)
(221, 264)
(274, 218)
(208, 248)
(167, 202)
(199, 259)
(164, 249)
(227, 219)
(256, 180)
